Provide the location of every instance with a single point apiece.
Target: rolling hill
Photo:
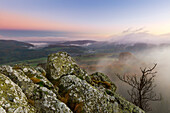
(12, 51)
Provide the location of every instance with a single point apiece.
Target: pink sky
(94, 20)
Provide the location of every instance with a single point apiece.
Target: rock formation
(61, 86)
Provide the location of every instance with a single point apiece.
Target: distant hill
(12, 44)
(109, 47)
(12, 51)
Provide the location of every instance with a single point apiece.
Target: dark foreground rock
(61, 87)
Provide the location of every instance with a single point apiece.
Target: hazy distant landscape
(106, 57)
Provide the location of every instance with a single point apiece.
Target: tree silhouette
(142, 87)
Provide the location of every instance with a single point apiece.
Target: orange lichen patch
(31, 102)
(30, 75)
(65, 98)
(44, 74)
(16, 67)
(106, 84)
(78, 107)
(35, 80)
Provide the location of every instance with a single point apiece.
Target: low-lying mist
(130, 63)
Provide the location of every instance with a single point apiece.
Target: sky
(53, 20)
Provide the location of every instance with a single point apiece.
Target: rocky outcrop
(39, 90)
(61, 87)
(12, 99)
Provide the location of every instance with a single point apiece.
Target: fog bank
(131, 66)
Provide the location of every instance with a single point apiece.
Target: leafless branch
(142, 87)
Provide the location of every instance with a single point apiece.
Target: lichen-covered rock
(35, 74)
(80, 96)
(42, 65)
(60, 64)
(12, 99)
(41, 70)
(38, 89)
(2, 110)
(18, 77)
(102, 82)
(125, 106)
(46, 101)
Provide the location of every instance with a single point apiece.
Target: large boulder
(82, 97)
(18, 77)
(39, 90)
(12, 99)
(60, 64)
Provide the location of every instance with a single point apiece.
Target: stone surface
(38, 89)
(60, 64)
(12, 99)
(102, 82)
(61, 88)
(82, 97)
(2, 110)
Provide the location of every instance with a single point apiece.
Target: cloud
(131, 30)
(127, 30)
(139, 36)
(139, 30)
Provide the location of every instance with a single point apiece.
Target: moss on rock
(102, 82)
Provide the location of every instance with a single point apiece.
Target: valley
(92, 56)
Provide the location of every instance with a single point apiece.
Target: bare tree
(142, 87)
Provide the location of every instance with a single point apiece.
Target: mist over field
(161, 56)
(132, 65)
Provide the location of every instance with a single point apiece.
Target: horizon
(98, 20)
